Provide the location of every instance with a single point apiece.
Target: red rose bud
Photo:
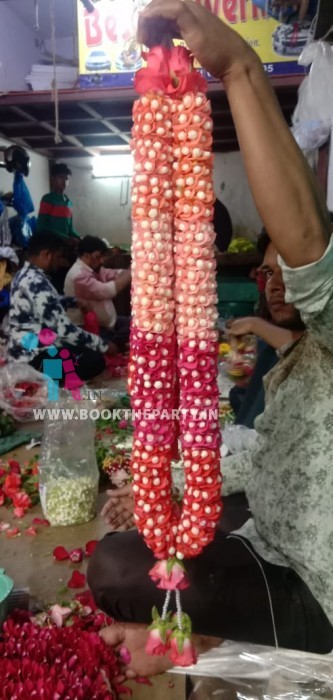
(60, 554)
(182, 650)
(171, 575)
(76, 555)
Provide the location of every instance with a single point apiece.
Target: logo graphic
(56, 365)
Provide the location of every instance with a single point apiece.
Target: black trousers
(88, 363)
(228, 597)
(119, 334)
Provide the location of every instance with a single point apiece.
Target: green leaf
(155, 614)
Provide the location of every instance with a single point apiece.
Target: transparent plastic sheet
(238, 438)
(68, 469)
(253, 672)
(22, 390)
(313, 116)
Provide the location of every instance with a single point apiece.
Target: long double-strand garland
(173, 366)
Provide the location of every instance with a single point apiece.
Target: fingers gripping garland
(173, 367)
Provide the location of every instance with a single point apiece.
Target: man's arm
(283, 186)
(94, 290)
(121, 278)
(273, 335)
(51, 314)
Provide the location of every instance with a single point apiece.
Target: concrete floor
(29, 562)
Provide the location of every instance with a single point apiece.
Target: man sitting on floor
(35, 305)
(97, 286)
(271, 583)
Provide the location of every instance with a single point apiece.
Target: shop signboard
(109, 54)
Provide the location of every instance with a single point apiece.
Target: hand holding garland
(276, 168)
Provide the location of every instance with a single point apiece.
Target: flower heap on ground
(174, 351)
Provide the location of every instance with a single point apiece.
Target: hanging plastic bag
(22, 201)
(313, 115)
(22, 390)
(68, 469)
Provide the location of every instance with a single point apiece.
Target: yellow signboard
(109, 53)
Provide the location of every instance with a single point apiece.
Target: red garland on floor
(57, 662)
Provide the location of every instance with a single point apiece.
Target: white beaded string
(179, 611)
(166, 605)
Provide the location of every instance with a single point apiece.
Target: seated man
(286, 327)
(35, 305)
(271, 582)
(96, 286)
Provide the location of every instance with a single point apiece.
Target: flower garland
(174, 350)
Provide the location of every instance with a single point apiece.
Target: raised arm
(283, 186)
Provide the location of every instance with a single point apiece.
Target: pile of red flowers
(19, 486)
(25, 396)
(40, 660)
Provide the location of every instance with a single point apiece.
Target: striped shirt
(56, 215)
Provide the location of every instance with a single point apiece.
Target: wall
(232, 188)
(17, 50)
(97, 209)
(37, 182)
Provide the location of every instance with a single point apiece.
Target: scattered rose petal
(76, 555)
(13, 532)
(4, 527)
(90, 547)
(60, 554)
(86, 599)
(41, 521)
(142, 680)
(171, 685)
(30, 532)
(77, 580)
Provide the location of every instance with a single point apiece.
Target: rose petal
(86, 599)
(77, 580)
(142, 680)
(13, 532)
(90, 547)
(4, 527)
(30, 532)
(41, 521)
(60, 554)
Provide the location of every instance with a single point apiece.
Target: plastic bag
(68, 469)
(20, 230)
(253, 672)
(22, 201)
(313, 115)
(22, 390)
(238, 438)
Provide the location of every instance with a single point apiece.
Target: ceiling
(64, 14)
(98, 121)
